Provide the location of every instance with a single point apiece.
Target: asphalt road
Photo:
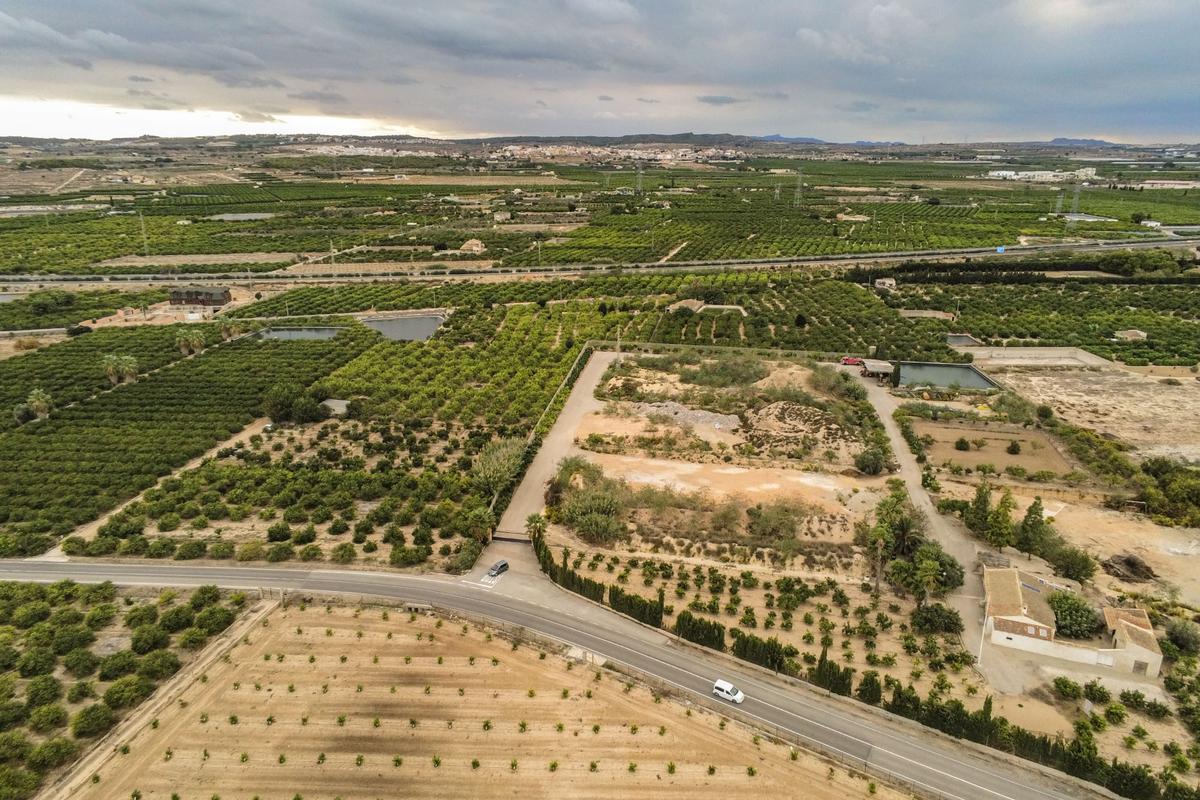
(860, 737)
(235, 276)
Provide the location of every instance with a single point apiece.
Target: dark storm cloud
(856, 69)
(322, 97)
(238, 81)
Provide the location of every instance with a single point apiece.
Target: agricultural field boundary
(103, 749)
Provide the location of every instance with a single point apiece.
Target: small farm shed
(200, 296)
(876, 368)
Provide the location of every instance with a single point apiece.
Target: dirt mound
(787, 424)
(1128, 567)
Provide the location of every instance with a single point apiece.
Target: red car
(851, 361)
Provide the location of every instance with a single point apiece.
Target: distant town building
(200, 296)
(1043, 175)
(501, 216)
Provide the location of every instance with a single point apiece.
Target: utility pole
(777, 193)
(639, 178)
(145, 239)
(798, 197)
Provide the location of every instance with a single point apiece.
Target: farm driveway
(529, 497)
(952, 535)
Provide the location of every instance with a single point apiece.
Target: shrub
(93, 721)
(871, 461)
(81, 662)
(44, 719)
(1014, 448)
(128, 691)
(149, 637)
(962, 444)
(117, 665)
(1094, 691)
(42, 690)
(1067, 689)
(158, 665)
(936, 618)
(193, 638)
(214, 619)
(1185, 635)
(50, 754)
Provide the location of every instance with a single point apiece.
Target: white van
(727, 691)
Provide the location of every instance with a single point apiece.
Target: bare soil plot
(1038, 451)
(351, 704)
(14, 346)
(1157, 418)
(200, 258)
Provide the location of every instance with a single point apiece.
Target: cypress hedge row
(701, 631)
(636, 606)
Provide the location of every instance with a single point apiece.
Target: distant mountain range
(1063, 141)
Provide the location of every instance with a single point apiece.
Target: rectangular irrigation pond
(297, 334)
(965, 376)
(406, 329)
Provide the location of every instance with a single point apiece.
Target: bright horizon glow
(47, 118)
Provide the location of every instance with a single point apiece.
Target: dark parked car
(499, 568)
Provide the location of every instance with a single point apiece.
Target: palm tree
(183, 342)
(128, 366)
(929, 578)
(39, 402)
(197, 341)
(112, 367)
(535, 525)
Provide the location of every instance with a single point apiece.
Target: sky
(908, 70)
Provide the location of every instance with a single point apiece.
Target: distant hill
(1063, 141)
(778, 137)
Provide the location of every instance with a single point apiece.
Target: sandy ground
(1038, 451)
(201, 258)
(8, 344)
(1134, 408)
(1033, 357)
(727, 480)
(350, 704)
